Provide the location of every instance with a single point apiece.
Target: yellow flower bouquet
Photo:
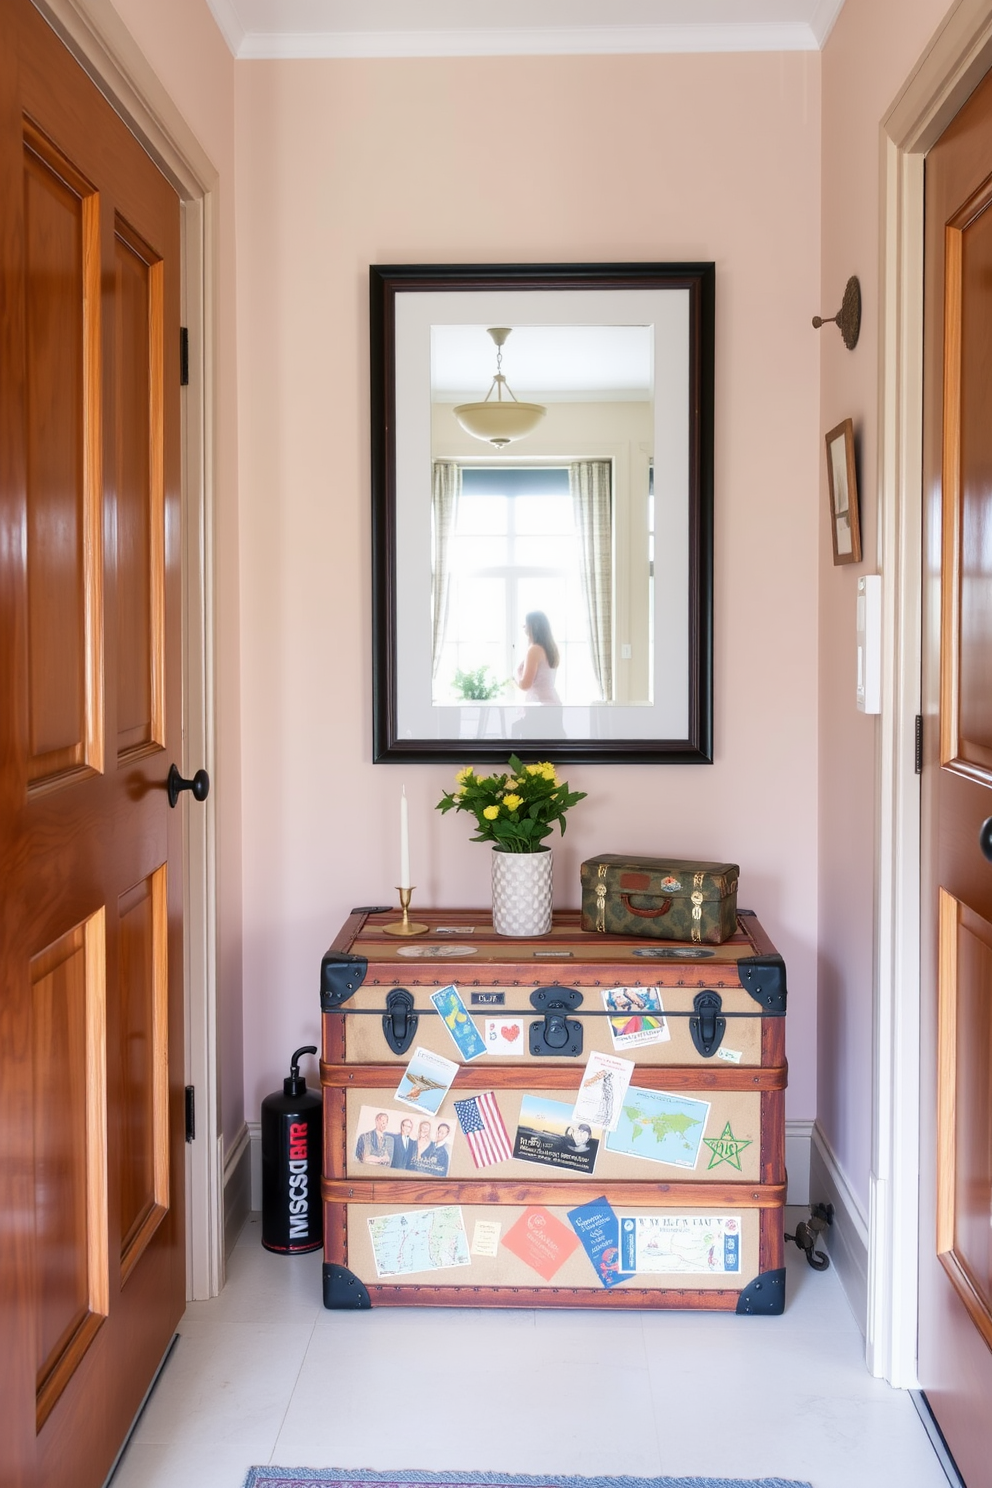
(516, 810)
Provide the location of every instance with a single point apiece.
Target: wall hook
(848, 317)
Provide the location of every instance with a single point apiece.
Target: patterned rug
(335, 1477)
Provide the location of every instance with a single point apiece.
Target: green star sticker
(726, 1148)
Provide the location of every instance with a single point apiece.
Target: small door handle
(199, 785)
(985, 838)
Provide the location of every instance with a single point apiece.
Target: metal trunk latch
(706, 1026)
(399, 1021)
(557, 1034)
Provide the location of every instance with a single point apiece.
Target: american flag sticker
(484, 1131)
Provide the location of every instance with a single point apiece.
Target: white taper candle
(404, 844)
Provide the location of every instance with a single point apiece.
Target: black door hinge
(919, 743)
(183, 357)
(190, 1113)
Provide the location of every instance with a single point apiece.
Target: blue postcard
(598, 1229)
(459, 1024)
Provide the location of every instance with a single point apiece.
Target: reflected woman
(536, 674)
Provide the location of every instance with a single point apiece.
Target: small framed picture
(842, 478)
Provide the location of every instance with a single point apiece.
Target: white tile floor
(263, 1374)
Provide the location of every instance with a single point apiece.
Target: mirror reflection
(542, 466)
(542, 516)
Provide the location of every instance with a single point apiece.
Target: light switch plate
(869, 629)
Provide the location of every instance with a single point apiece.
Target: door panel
(967, 488)
(92, 1224)
(955, 1332)
(964, 1107)
(68, 1011)
(138, 332)
(62, 280)
(144, 1031)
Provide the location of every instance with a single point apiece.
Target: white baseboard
(237, 1187)
(847, 1238)
(254, 1130)
(798, 1144)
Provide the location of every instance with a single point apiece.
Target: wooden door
(955, 1340)
(92, 1233)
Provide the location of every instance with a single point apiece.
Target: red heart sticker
(510, 1033)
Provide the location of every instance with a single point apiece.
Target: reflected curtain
(444, 513)
(591, 485)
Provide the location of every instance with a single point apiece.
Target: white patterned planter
(522, 892)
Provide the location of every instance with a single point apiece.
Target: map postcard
(641, 1019)
(541, 1240)
(603, 1087)
(660, 1127)
(426, 1081)
(681, 1244)
(547, 1133)
(421, 1240)
(457, 1021)
(598, 1229)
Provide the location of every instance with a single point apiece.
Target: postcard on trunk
(402, 1142)
(604, 1084)
(640, 1017)
(457, 1021)
(547, 1133)
(541, 1240)
(598, 1229)
(426, 1081)
(660, 1126)
(420, 1240)
(681, 1244)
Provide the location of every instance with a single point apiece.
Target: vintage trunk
(701, 1218)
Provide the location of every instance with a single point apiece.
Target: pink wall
(187, 52)
(869, 55)
(343, 164)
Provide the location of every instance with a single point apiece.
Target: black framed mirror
(542, 500)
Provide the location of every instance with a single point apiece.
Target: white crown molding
(226, 16)
(530, 41)
(823, 18)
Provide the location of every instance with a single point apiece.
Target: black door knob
(985, 838)
(199, 785)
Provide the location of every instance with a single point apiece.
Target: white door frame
(100, 42)
(955, 62)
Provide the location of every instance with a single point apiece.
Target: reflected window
(513, 547)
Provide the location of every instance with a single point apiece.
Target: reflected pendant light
(499, 420)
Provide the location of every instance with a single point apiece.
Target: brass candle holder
(406, 926)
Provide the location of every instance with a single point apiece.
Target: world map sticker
(660, 1127)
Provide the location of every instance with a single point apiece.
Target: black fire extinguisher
(292, 1218)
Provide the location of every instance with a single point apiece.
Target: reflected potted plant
(479, 686)
(515, 811)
